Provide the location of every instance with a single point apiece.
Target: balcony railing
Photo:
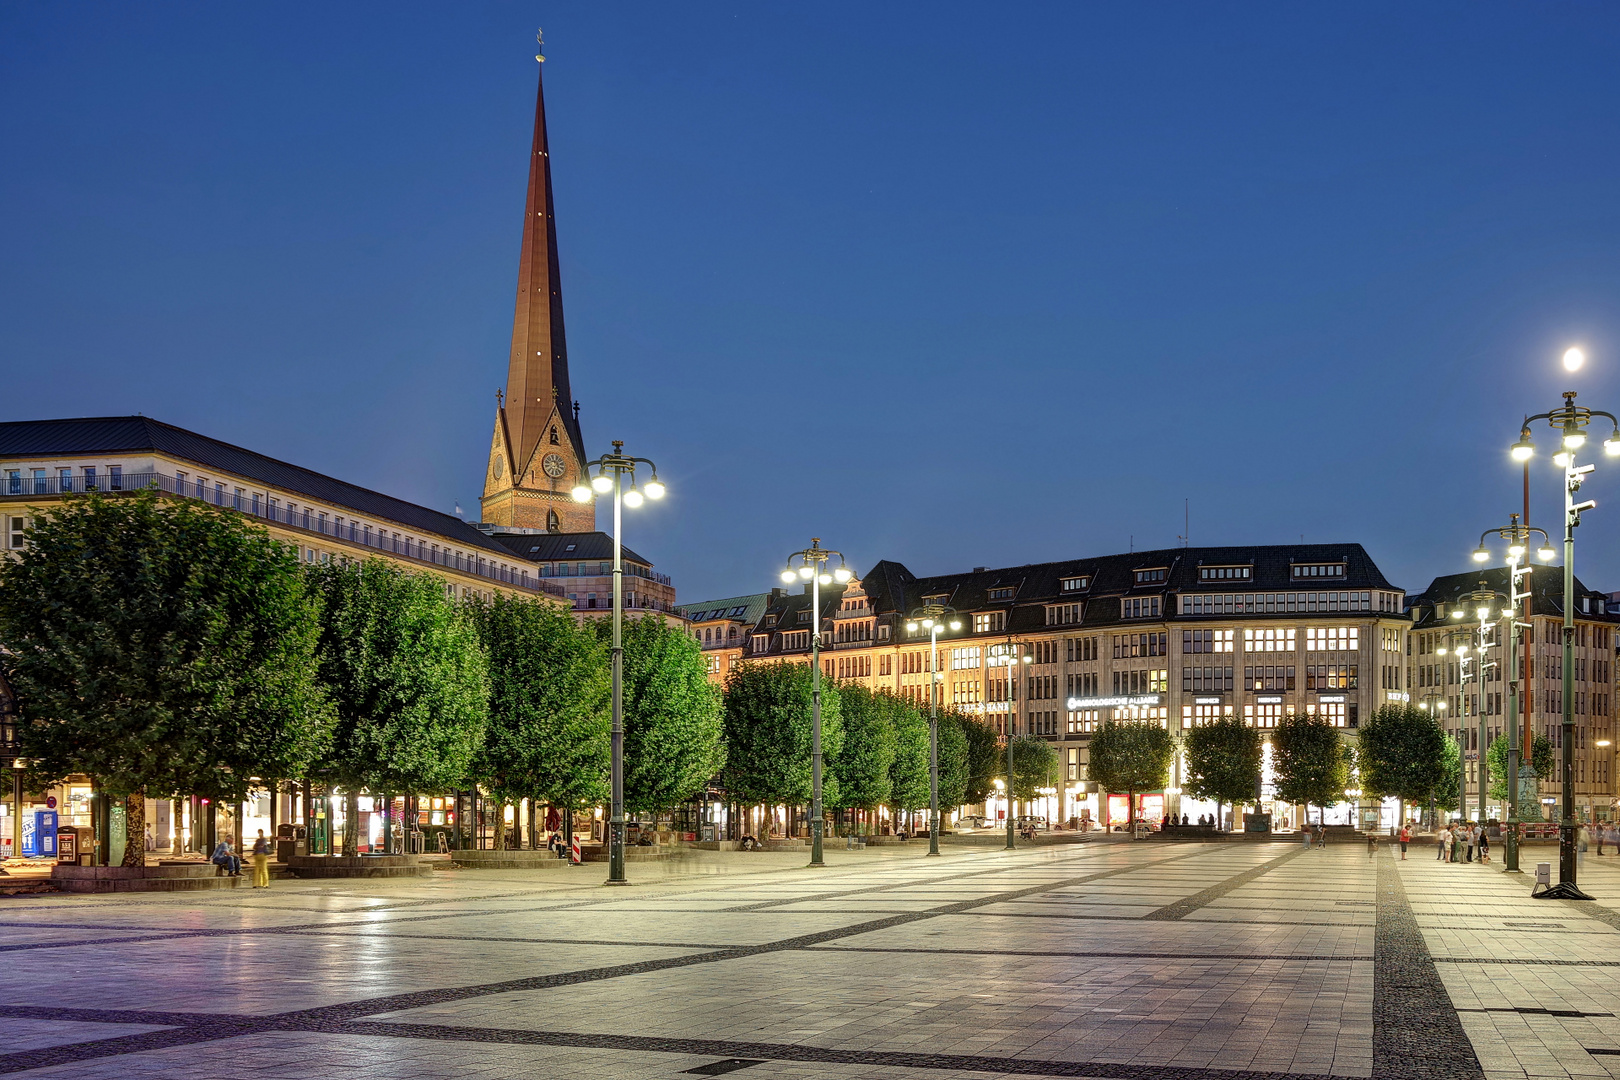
(630, 570)
(313, 523)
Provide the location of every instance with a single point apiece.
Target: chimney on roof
(777, 594)
(980, 569)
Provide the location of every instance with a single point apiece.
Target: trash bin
(291, 840)
(73, 845)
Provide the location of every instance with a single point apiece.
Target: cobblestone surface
(1102, 960)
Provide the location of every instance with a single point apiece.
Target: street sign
(50, 802)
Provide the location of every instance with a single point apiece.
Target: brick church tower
(537, 452)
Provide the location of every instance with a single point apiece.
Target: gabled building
(1177, 636)
(1442, 619)
(722, 628)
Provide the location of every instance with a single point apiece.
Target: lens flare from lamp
(632, 498)
(654, 489)
(955, 625)
(602, 483)
(1483, 613)
(1574, 438)
(928, 624)
(1516, 550)
(1573, 359)
(581, 493)
(1562, 459)
(1524, 449)
(826, 579)
(911, 628)
(842, 575)
(1611, 445)
(1456, 614)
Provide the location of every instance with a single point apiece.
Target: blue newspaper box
(42, 844)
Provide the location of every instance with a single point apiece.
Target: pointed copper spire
(537, 377)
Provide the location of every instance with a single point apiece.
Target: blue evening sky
(949, 284)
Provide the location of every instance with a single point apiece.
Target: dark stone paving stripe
(1100, 955)
(1004, 1066)
(1536, 1011)
(1416, 1031)
(1543, 963)
(1184, 907)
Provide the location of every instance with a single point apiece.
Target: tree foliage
(673, 736)
(867, 755)
(908, 776)
(1034, 766)
(1400, 753)
(767, 732)
(547, 737)
(1541, 760)
(1310, 760)
(407, 676)
(1131, 756)
(160, 646)
(984, 758)
(1224, 756)
(953, 759)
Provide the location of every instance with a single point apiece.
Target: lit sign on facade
(1268, 700)
(1331, 698)
(1123, 700)
(1206, 701)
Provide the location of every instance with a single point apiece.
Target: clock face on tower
(553, 466)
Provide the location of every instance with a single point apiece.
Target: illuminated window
(1062, 614)
(989, 622)
(1075, 584)
(1332, 639)
(1225, 573)
(1206, 641)
(1268, 640)
(966, 658)
(1265, 715)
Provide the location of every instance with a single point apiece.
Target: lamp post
(813, 568)
(1009, 657)
(1518, 545)
(1571, 422)
(611, 472)
(1460, 648)
(931, 617)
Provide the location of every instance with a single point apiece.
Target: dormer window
(1303, 571)
(937, 598)
(804, 616)
(1149, 577)
(1225, 573)
(1003, 593)
(770, 620)
(1075, 584)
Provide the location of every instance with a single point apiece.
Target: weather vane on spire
(540, 40)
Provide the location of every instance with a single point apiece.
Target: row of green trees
(1400, 752)
(166, 648)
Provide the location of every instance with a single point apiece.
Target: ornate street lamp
(813, 568)
(932, 617)
(611, 472)
(1010, 656)
(1518, 546)
(1571, 422)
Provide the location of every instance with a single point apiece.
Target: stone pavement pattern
(1108, 959)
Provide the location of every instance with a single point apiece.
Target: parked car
(1031, 822)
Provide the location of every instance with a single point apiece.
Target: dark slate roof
(753, 605)
(896, 591)
(563, 547)
(1546, 594)
(142, 434)
(787, 606)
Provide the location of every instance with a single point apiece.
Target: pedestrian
(1305, 835)
(1405, 836)
(1441, 839)
(224, 857)
(261, 862)
(1601, 835)
(1468, 842)
(1453, 831)
(1321, 835)
(1372, 844)
(1484, 837)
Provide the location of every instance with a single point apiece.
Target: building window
(115, 477)
(966, 658)
(1075, 584)
(937, 598)
(1330, 677)
(64, 481)
(15, 530)
(1266, 715)
(1062, 614)
(989, 622)
(14, 482)
(1332, 639)
(1004, 593)
(1139, 607)
(1206, 641)
(1081, 649)
(1318, 570)
(1269, 677)
(1206, 680)
(1225, 573)
(1130, 645)
(1148, 577)
(39, 481)
(1268, 640)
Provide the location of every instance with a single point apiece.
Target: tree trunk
(351, 822)
(135, 829)
(500, 824)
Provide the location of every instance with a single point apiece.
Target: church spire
(537, 376)
(537, 453)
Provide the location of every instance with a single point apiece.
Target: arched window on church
(553, 523)
(553, 434)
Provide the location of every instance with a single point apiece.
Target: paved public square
(1105, 959)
